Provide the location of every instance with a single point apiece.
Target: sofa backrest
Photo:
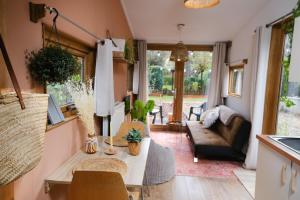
(236, 133)
(229, 132)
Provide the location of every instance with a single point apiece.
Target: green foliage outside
(140, 110)
(287, 102)
(289, 29)
(134, 136)
(197, 72)
(155, 78)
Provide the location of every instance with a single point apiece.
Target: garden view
(161, 73)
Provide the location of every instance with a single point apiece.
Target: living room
(140, 99)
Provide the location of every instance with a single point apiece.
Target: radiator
(116, 119)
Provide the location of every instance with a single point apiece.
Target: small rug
(247, 178)
(184, 158)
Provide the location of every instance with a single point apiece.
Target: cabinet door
(295, 183)
(272, 175)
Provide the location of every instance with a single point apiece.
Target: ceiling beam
(170, 47)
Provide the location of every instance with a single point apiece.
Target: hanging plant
(52, 64)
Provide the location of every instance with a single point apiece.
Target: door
(273, 175)
(176, 86)
(161, 86)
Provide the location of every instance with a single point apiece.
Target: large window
(288, 117)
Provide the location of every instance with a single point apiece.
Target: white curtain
(143, 71)
(104, 80)
(216, 82)
(259, 65)
(136, 77)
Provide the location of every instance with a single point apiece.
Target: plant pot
(134, 148)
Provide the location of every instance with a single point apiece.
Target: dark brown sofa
(220, 141)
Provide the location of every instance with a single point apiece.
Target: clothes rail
(55, 11)
(280, 19)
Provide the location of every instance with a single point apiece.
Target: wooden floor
(197, 188)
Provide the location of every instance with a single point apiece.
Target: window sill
(67, 119)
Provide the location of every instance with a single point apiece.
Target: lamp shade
(201, 3)
(180, 53)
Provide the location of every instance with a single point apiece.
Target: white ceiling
(155, 20)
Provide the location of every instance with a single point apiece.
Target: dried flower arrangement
(83, 97)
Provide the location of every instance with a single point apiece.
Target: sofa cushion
(211, 117)
(230, 131)
(203, 136)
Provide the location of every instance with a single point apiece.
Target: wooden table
(136, 165)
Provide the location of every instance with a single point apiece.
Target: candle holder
(110, 150)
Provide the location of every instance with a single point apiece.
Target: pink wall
(20, 35)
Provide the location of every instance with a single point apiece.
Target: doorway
(177, 86)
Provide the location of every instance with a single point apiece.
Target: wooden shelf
(67, 119)
(120, 60)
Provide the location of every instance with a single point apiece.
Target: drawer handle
(283, 175)
(294, 181)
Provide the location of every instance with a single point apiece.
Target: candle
(111, 137)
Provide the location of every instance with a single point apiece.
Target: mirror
(236, 74)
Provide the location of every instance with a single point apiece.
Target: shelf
(120, 60)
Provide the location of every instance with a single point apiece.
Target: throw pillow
(203, 115)
(211, 117)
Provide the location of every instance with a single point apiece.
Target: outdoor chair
(198, 110)
(157, 110)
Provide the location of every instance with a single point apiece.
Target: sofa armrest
(242, 137)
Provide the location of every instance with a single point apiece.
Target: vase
(91, 144)
(134, 148)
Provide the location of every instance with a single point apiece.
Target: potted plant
(52, 64)
(134, 139)
(140, 110)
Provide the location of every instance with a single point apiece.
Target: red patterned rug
(184, 158)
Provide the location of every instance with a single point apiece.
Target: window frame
(231, 71)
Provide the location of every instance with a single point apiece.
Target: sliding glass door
(196, 83)
(179, 89)
(161, 88)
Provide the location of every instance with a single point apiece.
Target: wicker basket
(23, 118)
(21, 134)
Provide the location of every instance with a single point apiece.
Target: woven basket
(21, 134)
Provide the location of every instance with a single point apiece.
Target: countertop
(277, 147)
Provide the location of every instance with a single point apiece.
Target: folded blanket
(226, 114)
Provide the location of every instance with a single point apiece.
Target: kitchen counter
(279, 148)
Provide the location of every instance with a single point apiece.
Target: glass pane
(59, 91)
(161, 84)
(197, 73)
(288, 120)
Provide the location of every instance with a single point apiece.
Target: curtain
(136, 76)
(216, 83)
(143, 71)
(259, 65)
(104, 81)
